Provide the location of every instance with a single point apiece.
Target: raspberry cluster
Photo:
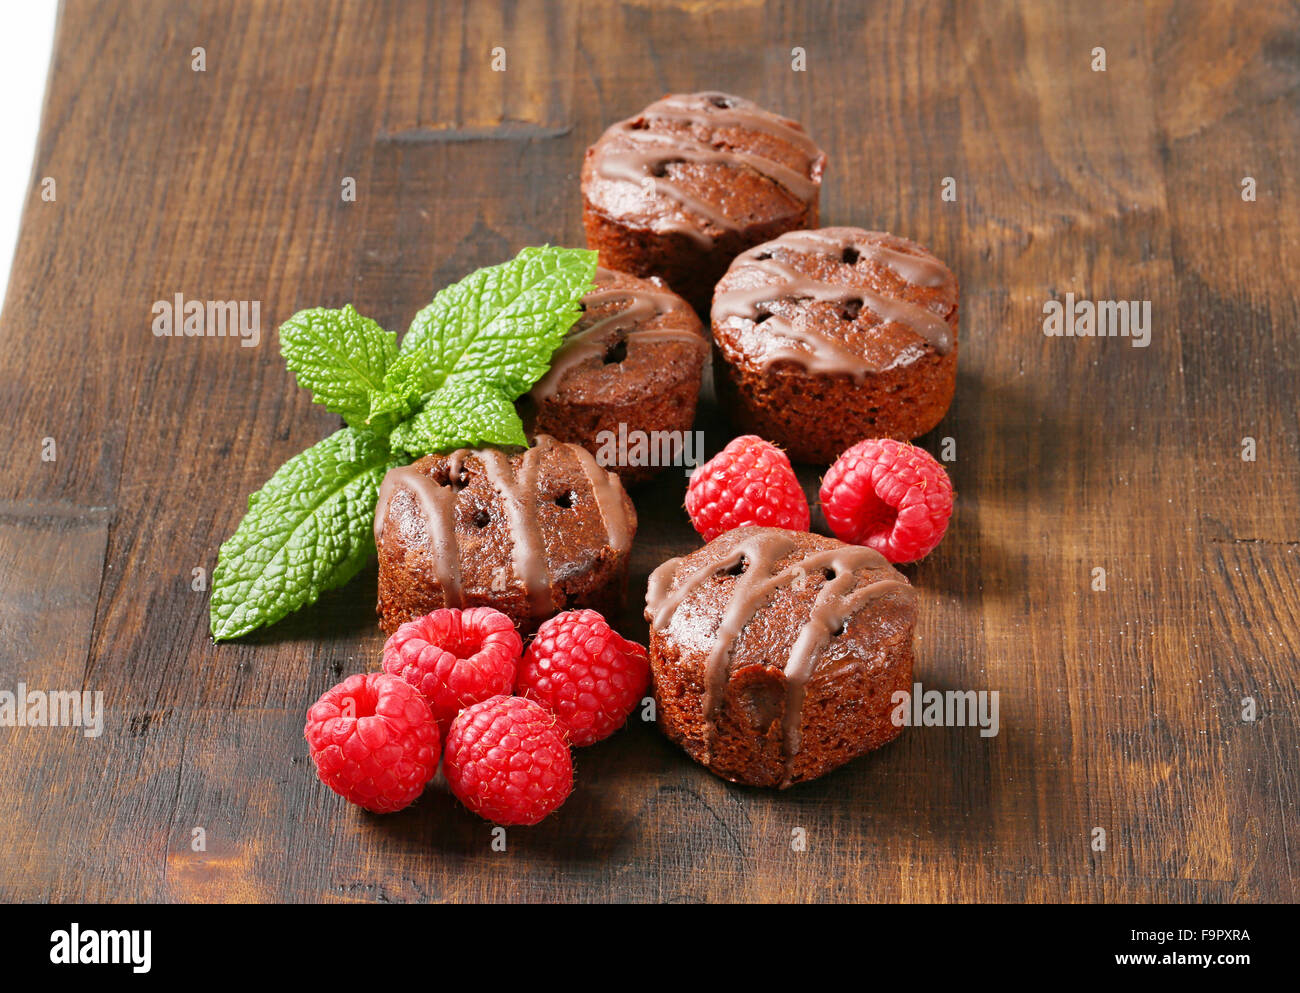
(450, 677)
(509, 716)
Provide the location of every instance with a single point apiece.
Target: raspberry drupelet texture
(455, 658)
(373, 741)
(750, 481)
(889, 496)
(507, 760)
(585, 673)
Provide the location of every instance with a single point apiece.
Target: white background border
(26, 40)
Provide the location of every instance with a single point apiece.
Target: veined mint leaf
(462, 412)
(340, 356)
(466, 358)
(500, 324)
(309, 529)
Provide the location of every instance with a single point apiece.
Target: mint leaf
(341, 357)
(461, 413)
(309, 529)
(500, 324)
(466, 358)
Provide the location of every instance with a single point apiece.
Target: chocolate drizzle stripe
(822, 355)
(634, 169)
(584, 342)
(518, 494)
(608, 492)
(438, 507)
(751, 589)
(919, 270)
(659, 601)
(678, 108)
(686, 149)
(836, 602)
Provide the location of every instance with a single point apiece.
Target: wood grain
(1119, 709)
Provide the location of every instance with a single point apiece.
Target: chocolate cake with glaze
(823, 338)
(681, 188)
(635, 358)
(776, 653)
(530, 534)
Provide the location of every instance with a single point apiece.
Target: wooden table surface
(1120, 709)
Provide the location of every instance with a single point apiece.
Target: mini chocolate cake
(681, 188)
(634, 359)
(823, 338)
(776, 653)
(530, 534)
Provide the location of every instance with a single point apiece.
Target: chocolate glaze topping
(587, 338)
(518, 491)
(922, 269)
(759, 554)
(438, 507)
(642, 154)
(766, 275)
(515, 481)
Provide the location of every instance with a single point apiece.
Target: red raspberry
(455, 657)
(586, 674)
(374, 741)
(748, 482)
(889, 495)
(507, 760)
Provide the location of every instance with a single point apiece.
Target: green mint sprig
(468, 355)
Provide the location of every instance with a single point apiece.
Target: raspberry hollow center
(878, 517)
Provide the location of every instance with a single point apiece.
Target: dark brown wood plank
(1119, 709)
